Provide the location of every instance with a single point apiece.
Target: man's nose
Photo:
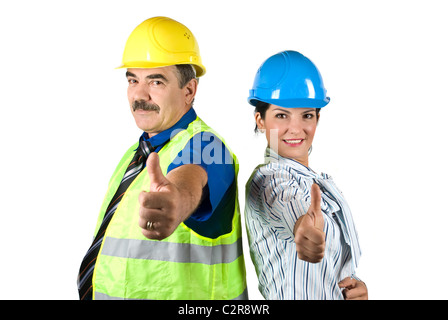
(141, 93)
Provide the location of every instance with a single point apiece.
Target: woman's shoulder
(273, 170)
(278, 179)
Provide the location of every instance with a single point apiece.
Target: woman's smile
(293, 142)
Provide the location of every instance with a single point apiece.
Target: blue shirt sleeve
(207, 150)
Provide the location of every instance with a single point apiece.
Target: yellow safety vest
(185, 265)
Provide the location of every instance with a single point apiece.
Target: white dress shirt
(277, 194)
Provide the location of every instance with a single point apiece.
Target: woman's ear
(259, 121)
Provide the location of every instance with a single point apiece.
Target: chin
(143, 126)
(294, 155)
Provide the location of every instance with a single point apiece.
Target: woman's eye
(280, 116)
(308, 116)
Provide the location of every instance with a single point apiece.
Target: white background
(65, 123)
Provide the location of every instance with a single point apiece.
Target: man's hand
(353, 289)
(309, 235)
(170, 199)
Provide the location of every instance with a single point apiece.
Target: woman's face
(289, 131)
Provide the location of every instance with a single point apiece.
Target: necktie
(88, 263)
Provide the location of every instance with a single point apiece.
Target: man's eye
(132, 81)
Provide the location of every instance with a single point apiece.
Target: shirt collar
(159, 140)
(270, 156)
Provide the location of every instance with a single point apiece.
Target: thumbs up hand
(158, 181)
(308, 230)
(158, 206)
(170, 199)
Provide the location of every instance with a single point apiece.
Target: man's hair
(186, 73)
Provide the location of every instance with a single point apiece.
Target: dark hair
(262, 107)
(186, 73)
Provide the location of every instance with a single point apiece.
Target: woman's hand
(353, 289)
(308, 230)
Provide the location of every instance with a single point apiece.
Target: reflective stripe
(243, 296)
(172, 252)
(103, 296)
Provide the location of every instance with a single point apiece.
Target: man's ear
(190, 91)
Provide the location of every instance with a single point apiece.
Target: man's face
(155, 98)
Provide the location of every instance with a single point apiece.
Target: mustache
(143, 105)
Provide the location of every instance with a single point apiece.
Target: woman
(302, 238)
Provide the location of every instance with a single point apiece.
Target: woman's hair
(262, 107)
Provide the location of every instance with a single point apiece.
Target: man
(169, 227)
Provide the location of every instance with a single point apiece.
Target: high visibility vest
(184, 265)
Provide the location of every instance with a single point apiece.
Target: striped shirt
(277, 194)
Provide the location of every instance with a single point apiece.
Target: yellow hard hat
(159, 42)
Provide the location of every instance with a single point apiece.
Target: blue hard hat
(289, 79)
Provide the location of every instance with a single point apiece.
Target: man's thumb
(155, 172)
